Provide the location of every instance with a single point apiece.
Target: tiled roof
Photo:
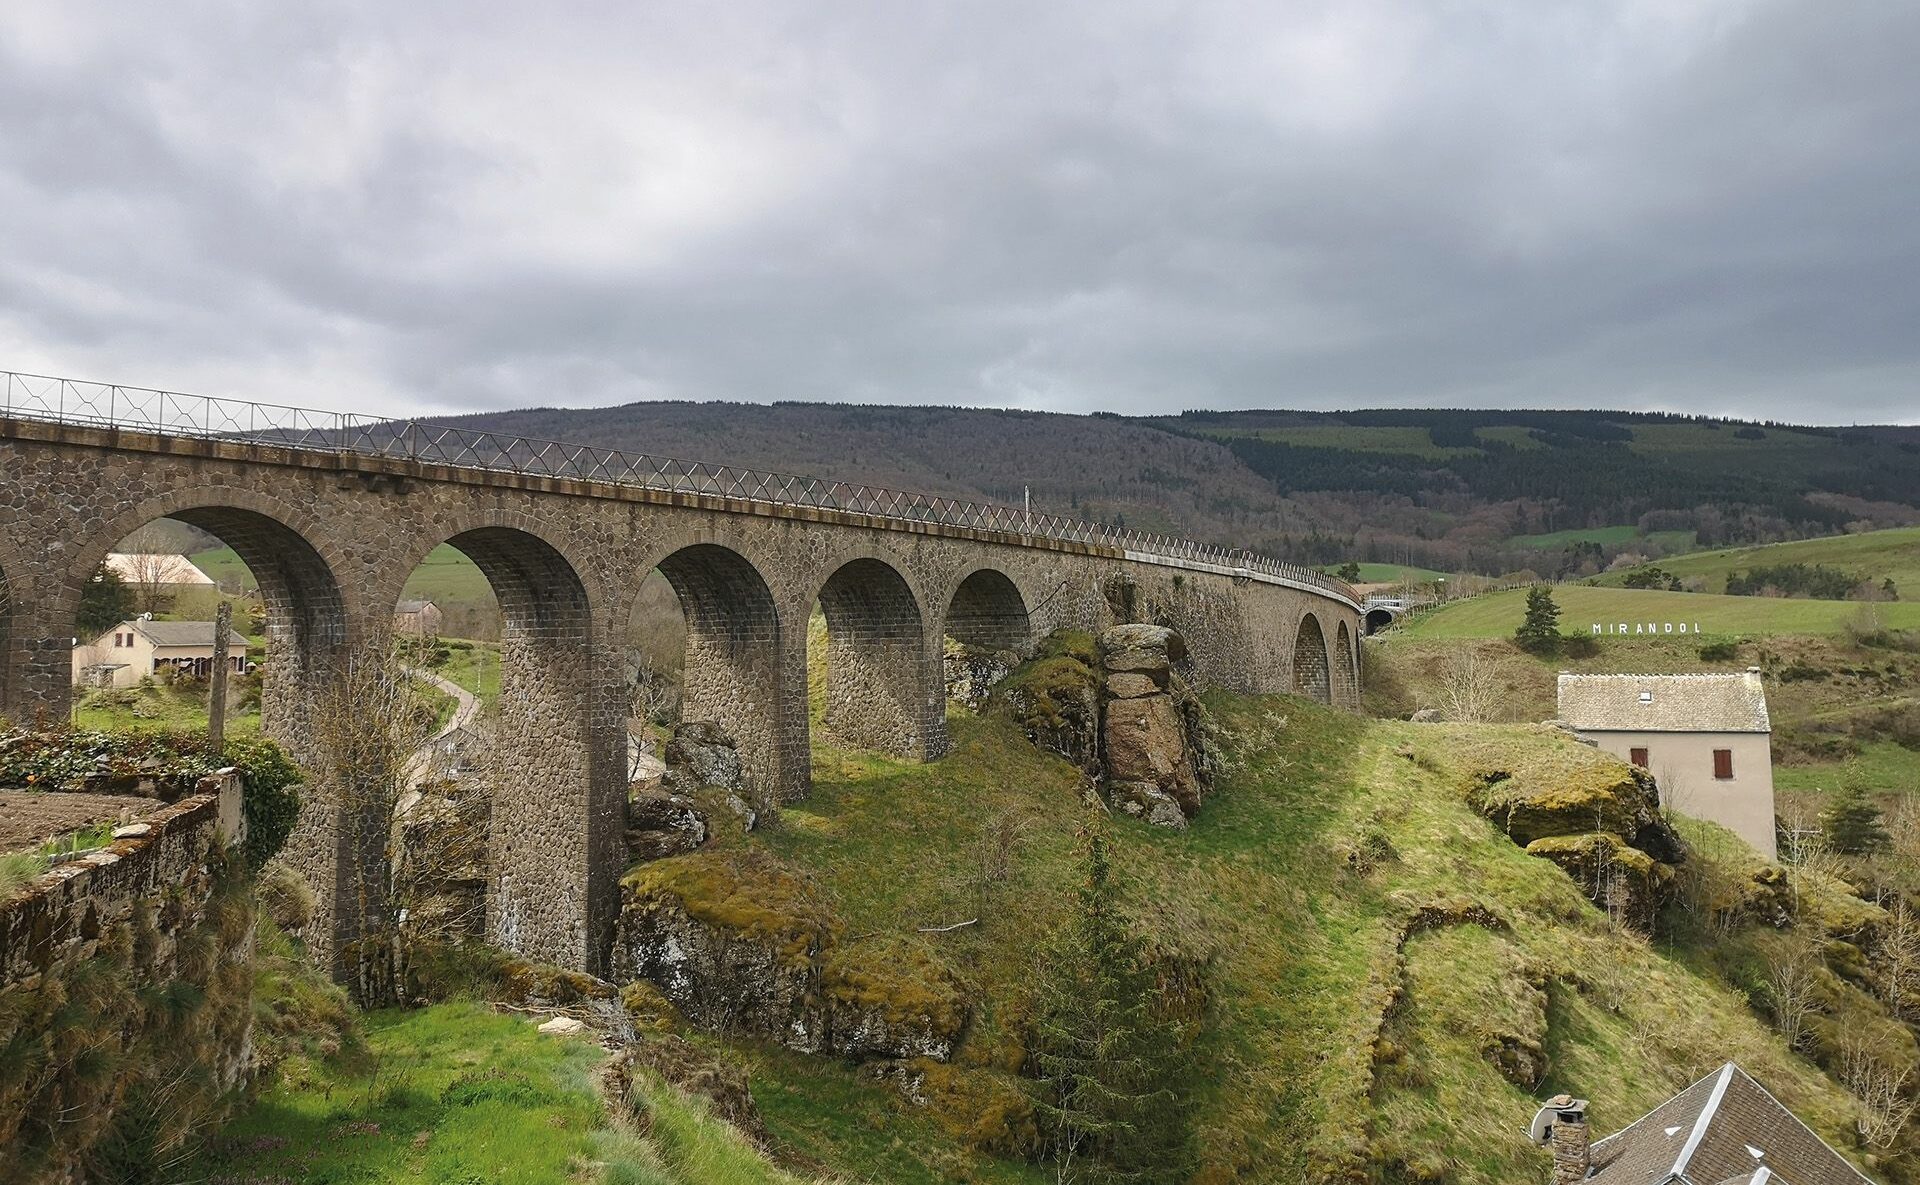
(412, 606)
(1664, 703)
(185, 633)
(1723, 1130)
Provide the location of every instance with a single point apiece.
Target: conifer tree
(1539, 631)
(105, 601)
(1105, 1060)
(1851, 823)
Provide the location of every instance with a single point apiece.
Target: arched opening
(1346, 672)
(729, 671)
(513, 724)
(1377, 620)
(986, 632)
(1310, 665)
(876, 663)
(143, 625)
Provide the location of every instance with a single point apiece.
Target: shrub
(272, 799)
(1539, 631)
(1724, 650)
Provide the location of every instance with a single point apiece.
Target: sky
(1693, 205)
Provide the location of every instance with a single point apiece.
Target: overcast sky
(1681, 204)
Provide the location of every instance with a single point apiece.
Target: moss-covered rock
(1619, 878)
(1569, 789)
(737, 941)
(1055, 698)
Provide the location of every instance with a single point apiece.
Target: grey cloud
(1130, 206)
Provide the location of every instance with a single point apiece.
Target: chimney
(1572, 1158)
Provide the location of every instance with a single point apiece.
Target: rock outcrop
(971, 672)
(1151, 726)
(1118, 709)
(703, 764)
(735, 941)
(1595, 816)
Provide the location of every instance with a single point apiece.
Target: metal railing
(106, 405)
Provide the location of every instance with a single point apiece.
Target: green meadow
(1496, 615)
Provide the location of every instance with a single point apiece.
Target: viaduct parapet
(332, 524)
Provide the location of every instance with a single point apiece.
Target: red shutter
(1723, 763)
(1639, 758)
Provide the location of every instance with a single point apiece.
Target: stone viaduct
(332, 529)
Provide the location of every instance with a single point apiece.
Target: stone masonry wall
(333, 539)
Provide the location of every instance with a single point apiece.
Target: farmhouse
(133, 650)
(420, 619)
(1724, 1128)
(1707, 739)
(156, 568)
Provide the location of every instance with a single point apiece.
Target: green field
(1390, 573)
(1874, 554)
(445, 577)
(1496, 615)
(1607, 536)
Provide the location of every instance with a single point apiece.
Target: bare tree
(152, 575)
(1897, 960)
(1887, 1104)
(1472, 685)
(1792, 990)
(367, 725)
(653, 694)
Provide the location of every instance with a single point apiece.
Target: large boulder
(1146, 741)
(972, 672)
(1151, 650)
(1571, 790)
(1622, 880)
(703, 764)
(737, 942)
(660, 824)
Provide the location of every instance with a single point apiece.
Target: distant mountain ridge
(1447, 489)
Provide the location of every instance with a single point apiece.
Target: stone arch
(553, 826)
(1378, 618)
(987, 612)
(308, 609)
(735, 672)
(1311, 669)
(1346, 670)
(879, 676)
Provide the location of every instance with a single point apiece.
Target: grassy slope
(459, 1094)
(1390, 573)
(1496, 615)
(1673, 540)
(1303, 953)
(1872, 554)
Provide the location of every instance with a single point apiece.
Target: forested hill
(1489, 491)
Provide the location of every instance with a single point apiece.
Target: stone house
(421, 619)
(1707, 739)
(133, 650)
(1724, 1129)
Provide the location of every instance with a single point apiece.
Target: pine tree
(1539, 632)
(1105, 1060)
(1851, 823)
(104, 601)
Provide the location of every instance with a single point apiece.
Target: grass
(1391, 573)
(1496, 615)
(159, 707)
(445, 577)
(1302, 955)
(474, 666)
(1882, 766)
(458, 1094)
(1876, 555)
